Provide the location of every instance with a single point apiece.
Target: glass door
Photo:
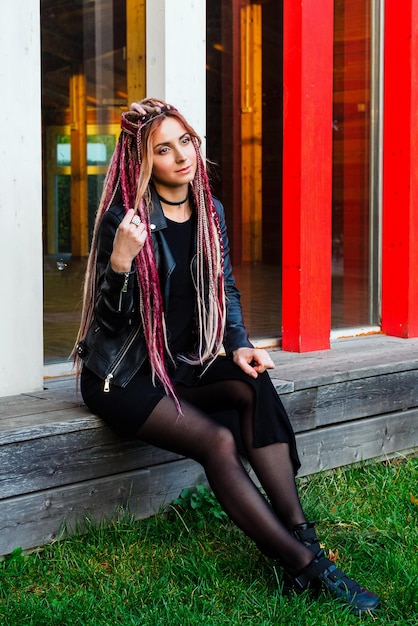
(356, 165)
(244, 145)
(244, 139)
(86, 75)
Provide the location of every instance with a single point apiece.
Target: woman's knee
(222, 442)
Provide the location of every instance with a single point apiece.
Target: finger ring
(136, 220)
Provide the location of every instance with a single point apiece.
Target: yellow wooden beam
(79, 202)
(251, 131)
(49, 168)
(135, 50)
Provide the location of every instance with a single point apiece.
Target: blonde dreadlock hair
(128, 177)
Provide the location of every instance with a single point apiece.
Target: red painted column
(307, 174)
(400, 170)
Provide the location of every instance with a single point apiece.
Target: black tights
(196, 435)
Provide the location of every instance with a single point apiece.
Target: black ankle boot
(322, 572)
(307, 535)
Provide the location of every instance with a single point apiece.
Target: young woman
(160, 302)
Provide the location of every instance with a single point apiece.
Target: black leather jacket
(114, 347)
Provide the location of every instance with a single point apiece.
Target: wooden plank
(47, 462)
(57, 394)
(26, 405)
(328, 404)
(166, 481)
(36, 519)
(40, 518)
(343, 444)
(282, 386)
(348, 359)
(46, 424)
(366, 397)
(301, 408)
(60, 387)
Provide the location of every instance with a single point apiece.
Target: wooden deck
(62, 468)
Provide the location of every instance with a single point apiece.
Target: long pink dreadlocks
(129, 176)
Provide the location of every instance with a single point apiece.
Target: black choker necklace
(173, 203)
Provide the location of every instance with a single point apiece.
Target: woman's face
(174, 155)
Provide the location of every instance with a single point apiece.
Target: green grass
(172, 570)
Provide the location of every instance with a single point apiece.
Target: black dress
(126, 409)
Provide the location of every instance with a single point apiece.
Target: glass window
(355, 233)
(84, 86)
(244, 139)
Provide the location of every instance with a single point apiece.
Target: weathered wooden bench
(61, 468)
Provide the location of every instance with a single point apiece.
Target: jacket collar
(156, 218)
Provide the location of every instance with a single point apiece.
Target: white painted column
(21, 338)
(176, 56)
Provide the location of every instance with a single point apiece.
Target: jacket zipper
(109, 377)
(106, 387)
(123, 290)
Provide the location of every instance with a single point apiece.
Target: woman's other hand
(146, 106)
(253, 361)
(129, 240)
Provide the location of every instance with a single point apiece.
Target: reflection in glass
(352, 260)
(244, 139)
(234, 38)
(83, 90)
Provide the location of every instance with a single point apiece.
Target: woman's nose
(180, 156)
